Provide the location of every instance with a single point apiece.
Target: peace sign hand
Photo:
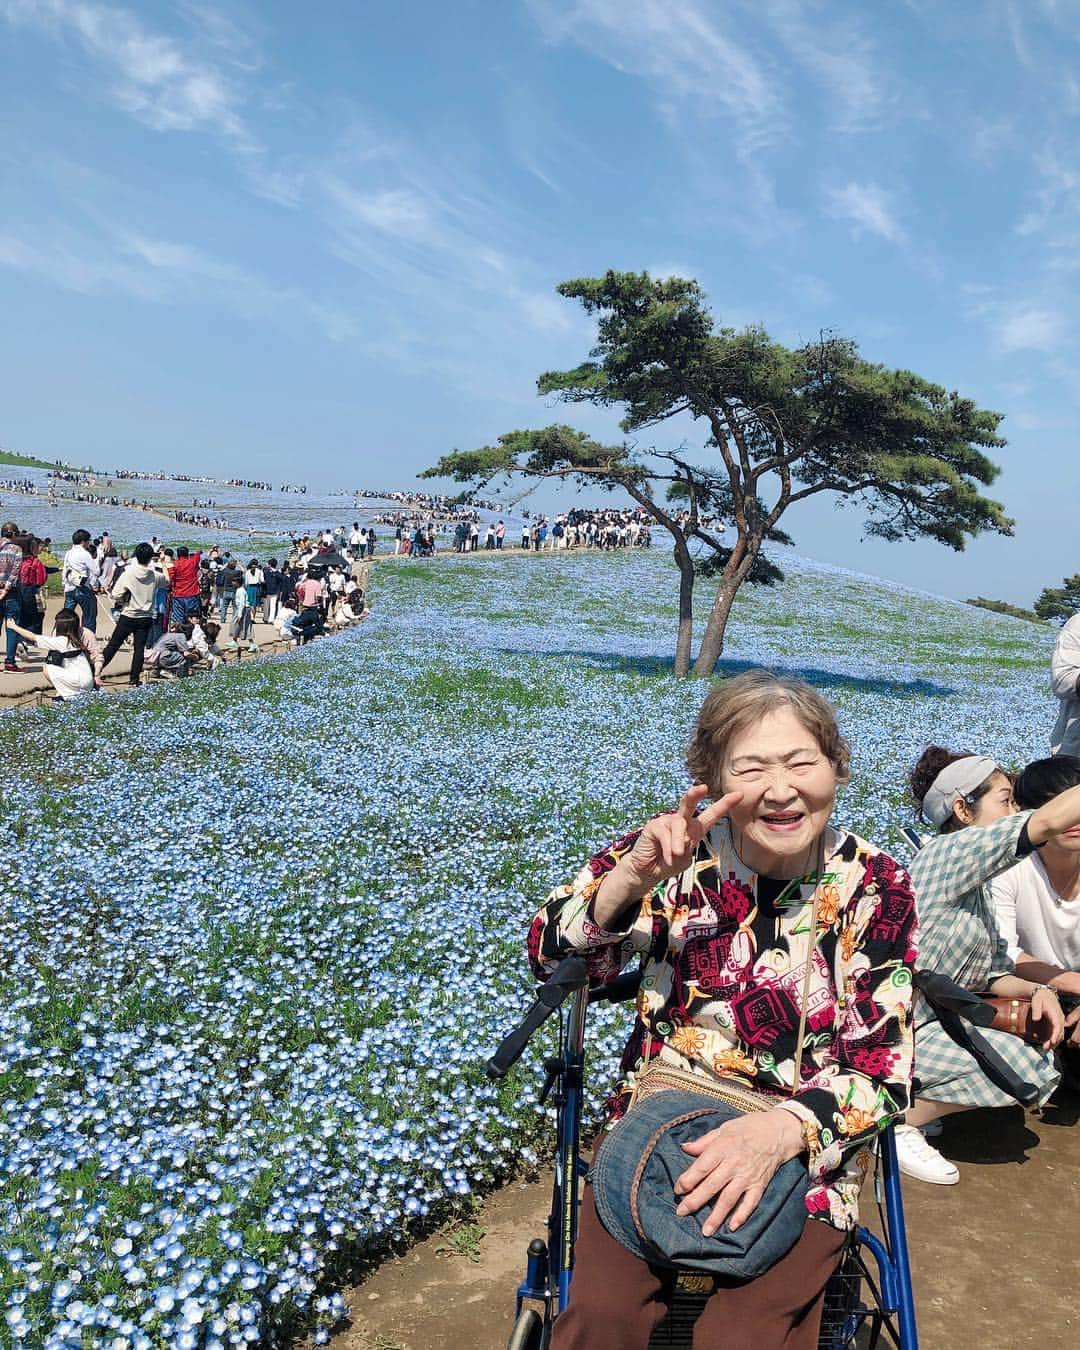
(667, 844)
(665, 847)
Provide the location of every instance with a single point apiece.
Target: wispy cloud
(840, 57)
(1021, 327)
(868, 208)
(685, 56)
(151, 75)
(118, 261)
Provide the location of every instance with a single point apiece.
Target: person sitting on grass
(981, 835)
(72, 656)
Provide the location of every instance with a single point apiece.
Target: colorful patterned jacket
(721, 992)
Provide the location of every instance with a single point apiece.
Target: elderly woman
(981, 835)
(718, 903)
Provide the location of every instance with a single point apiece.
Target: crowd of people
(181, 609)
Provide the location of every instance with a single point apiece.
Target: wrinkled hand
(735, 1163)
(666, 845)
(1044, 1004)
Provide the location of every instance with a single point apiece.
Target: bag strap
(815, 909)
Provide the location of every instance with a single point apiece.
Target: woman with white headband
(980, 835)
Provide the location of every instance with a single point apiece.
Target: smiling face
(788, 786)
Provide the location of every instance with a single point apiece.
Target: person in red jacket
(32, 577)
(186, 590)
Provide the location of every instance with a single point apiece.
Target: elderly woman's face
(788, 788)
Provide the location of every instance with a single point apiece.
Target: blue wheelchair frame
(544, 1292)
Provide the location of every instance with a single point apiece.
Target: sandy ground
(995, 1258)
(31, 686)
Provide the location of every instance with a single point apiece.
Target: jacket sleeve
(950, 865)
(1065, 663)
(566, 923)
(867, 1083)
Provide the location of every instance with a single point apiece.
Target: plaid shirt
(11, 556)
(958, 927)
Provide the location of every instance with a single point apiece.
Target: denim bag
(633, 1180)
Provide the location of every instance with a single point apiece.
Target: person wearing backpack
(32, 577)
(82, 579)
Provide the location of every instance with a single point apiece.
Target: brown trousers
(617, 1300)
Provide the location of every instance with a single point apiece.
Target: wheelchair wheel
(528, 1331)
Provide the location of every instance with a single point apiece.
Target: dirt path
(995, 1258)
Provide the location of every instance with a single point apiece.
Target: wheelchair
(868, 1301)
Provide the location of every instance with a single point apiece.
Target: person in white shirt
(1065, 682)
(73, 660)
(285, 617)
(82, 579)
(1037, 902)
(203, 642)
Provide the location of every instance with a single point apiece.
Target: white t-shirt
(75, 676)
(1033, 918)
(80, 568)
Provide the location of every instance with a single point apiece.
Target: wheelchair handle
(570, 975)
(619, 990)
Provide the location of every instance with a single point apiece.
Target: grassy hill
(15, 460)
(261, 928)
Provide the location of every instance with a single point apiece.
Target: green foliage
(782, 424)
(555, 450)
(1002, 607)
(820, 417)
(18, 461)
(463, 1239)
(1059, 603)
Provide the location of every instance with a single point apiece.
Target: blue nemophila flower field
(260, 930)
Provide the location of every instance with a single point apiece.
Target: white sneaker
(920, 1159)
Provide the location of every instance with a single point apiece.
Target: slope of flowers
(259, 931)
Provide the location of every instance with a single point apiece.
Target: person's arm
(607, 930)
(23, 632)
(951, 865)
(93, 649)
(1060, 813)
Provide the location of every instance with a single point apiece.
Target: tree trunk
(685, 637)
(712, 643)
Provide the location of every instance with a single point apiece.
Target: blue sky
(322, 240)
